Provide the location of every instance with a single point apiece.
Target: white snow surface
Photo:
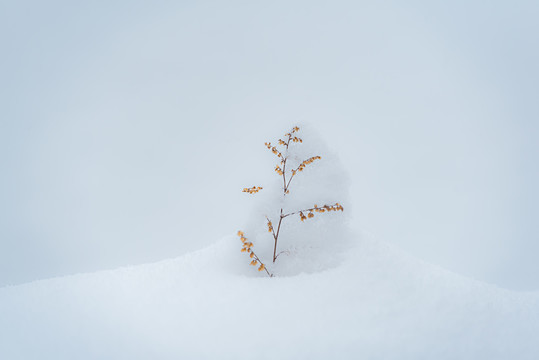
(335, 295)
(375, 302)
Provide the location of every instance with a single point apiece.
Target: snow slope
(377, 303)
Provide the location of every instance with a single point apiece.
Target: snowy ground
(378, 303)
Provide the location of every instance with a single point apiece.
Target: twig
(325, 207)
(261, 263)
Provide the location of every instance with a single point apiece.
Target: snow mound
(377, 303)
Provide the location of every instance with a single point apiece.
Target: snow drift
(377, 304)
(335, 295)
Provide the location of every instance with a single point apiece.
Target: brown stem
(294, 172)
(276, 236)
(285, 185)
(284, 251)
(284, 174)
(273, 231)
(261, 263)
(289, 138)
(289, 180)
(285, 189)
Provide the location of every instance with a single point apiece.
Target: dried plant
(247, 247)
(283, 156)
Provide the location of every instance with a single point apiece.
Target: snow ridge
(377, 303)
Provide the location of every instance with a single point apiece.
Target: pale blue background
(128, 128)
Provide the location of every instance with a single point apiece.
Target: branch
(282, 172)
(324, 208)
(261, 263)
(272, 230)
(252, 190)
(301, 167)
(284, 251)
(246, 247)
(285, 185)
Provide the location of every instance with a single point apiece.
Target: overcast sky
(128, 128)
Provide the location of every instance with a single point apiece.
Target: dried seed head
(252, 190)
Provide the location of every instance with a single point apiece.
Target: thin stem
(294, 172)
(261, 263)
(284, 251)
(288, 142)
(281, 217)
(285, 189)
(284, 174)
(273, 231)
(285, 185)
(289, 180)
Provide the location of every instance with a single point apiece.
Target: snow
(377, 303)
(335, 294)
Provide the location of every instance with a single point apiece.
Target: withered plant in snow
(281, 150)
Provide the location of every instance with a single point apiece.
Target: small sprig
(294, 130)
(252, 190)
(305, 163)
(274, 150)
(247, 247)
(270, 226)
(310, 212)
(284, 143)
